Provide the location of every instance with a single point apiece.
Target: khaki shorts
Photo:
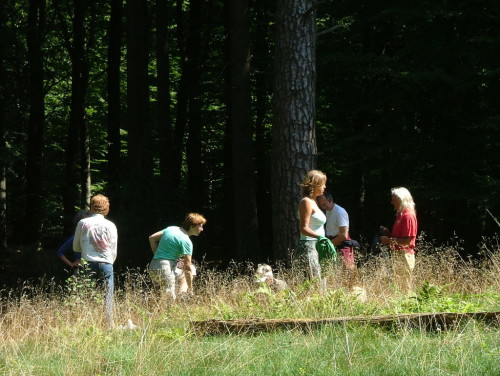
(163, 272)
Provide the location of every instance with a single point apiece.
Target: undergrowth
(50, 329)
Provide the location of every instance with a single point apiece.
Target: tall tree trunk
(3, 138)
(36, 125)
(3, 175)
(77, 132)
(139, 162)
(114, 110)
(193, 146)
(163, 111)
(244, 203)
(294, 136)
(227, 168)
(263, 88)
(176, 156)
(140, 165)
(85, 178)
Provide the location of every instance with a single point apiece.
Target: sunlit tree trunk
(294, 137)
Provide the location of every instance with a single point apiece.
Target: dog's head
(263, 272)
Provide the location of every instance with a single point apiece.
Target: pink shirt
(404, 226)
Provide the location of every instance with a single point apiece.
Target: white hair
(405, 196)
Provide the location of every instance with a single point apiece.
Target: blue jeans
(104, 272)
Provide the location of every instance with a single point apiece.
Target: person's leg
(103, 273)
(314, 268)
(409, 262)
(181, 281)
(168, 271)
(403, 265)
(108, 276)
(349, 267)
(163, 275)
(156, 275)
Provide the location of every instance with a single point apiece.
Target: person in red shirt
(401, 239)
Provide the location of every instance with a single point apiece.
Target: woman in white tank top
(312, 221)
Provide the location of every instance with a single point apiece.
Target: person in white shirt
(311, 223)
(97, 239)
(337, 230)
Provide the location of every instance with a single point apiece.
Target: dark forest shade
(220, 108)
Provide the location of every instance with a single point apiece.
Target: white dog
(264, 273)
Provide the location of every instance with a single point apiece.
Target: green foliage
(433, 298)
(40, 333)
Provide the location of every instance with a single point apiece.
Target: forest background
(168, 107)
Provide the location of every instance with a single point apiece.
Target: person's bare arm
(403, 242)
(343, 231)
(154, 240)
(68, 262)
(188, 274)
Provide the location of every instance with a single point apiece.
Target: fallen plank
(429, 321)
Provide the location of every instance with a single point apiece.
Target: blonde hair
(99, 204)
(193, 219)
(312, 180)
(406, 199)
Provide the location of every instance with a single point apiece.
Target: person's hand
(384, 230)
(187, 295)
(385, 240)
(76, 264)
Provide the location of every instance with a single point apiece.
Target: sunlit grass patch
(48, 330)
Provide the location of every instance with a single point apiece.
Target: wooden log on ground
(428, 321)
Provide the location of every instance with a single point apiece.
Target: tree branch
(328, 30)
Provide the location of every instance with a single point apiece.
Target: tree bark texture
(294, 137)
(36, 125)
(244, 201)
(80, 75)
(139, 182)
(139, 135)
(193, 148)
(261, 61)
(175, 158)
(77, 128)
(114, 108)
(3, 138)
(164, 122)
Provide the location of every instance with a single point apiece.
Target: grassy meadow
(49, 329)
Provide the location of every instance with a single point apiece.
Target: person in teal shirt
(171, 244)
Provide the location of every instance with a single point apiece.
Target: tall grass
(45, 330)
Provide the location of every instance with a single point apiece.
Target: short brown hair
(99, 204)
(193, 219)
